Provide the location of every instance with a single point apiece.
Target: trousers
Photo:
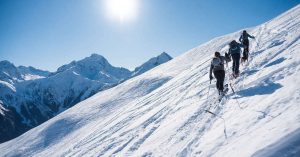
(220, 76)
(236, 62)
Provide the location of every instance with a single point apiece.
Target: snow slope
(162, 112)
(31, 73)
(30, 96)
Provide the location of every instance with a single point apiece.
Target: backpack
(217, 63)
(234, 49)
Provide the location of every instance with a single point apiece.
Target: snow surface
(31, 73)
(162, 112)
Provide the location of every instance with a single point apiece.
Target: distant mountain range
(30, 96)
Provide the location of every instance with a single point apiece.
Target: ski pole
(257, 43)
(224, 122)
(208, 90)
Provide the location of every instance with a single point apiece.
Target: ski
(225, 132)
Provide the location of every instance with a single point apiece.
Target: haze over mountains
(30, 96)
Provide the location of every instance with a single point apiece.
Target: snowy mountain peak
(96, 67)
(165, 56)
(9, 72)
(5, 63)
(151, 63)
(95, 58)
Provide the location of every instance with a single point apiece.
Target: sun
(123, 10)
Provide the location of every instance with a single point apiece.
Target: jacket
(245, 36)
(217, 64)
(235, 49)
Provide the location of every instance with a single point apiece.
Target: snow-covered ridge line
(31, 96)
(162, 112)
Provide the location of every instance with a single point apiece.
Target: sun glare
(122, 9)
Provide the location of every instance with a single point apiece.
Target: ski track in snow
(162, 112)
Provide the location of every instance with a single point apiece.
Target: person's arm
(240, 45)
(210, 72)
(250, 36)
(241, 38)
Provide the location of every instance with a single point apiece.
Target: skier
(217, 67)
(245, 41)
(235, 53)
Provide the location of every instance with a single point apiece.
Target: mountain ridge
(155, 61)
(30, 96)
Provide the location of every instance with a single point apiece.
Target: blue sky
(49, 33)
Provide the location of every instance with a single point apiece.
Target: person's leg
(218, 78)
(235, 60)
(237, 66)
(236, 63)
(233, 63)
(218, 84)
(247, 45)
(246, 49)
(222, 78)
(244, 58)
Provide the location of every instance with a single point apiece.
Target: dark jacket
(245, 36)
(235, 48)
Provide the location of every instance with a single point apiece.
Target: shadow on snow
(57, 131)
(261, 89)
(286, 146)
(277, 61)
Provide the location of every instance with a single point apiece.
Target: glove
(210, 77)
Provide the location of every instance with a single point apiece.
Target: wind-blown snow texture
(162, 112)
(30, 96)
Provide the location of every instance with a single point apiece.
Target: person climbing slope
(244, 39)
(217, 67)
(235, 53)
